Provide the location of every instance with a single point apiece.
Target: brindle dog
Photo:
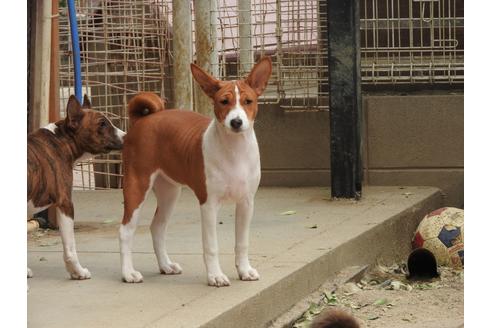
(51, 154)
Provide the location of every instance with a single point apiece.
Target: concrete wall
(408, 140)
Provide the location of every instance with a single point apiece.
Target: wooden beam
(182, 49)
(42, 65)
(54, 98)
(206, 48)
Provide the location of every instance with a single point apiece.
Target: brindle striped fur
(51, 156)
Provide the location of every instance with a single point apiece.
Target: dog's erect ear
(259, 75)
(74, 113)
(87, 102)
(207, 82)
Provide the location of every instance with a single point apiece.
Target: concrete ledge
(450, 181)
(384, 237)
(292, 257)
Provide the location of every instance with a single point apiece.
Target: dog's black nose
(236, 123)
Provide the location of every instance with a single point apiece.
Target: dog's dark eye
(224, 101)
(103, 124)
(248, 101)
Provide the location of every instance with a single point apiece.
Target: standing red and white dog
(51, 154)
(217, 158)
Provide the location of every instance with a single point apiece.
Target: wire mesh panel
(412, 41)
(294, 34)
(125, 48)
(263, 41)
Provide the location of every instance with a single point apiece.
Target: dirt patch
(385, 298)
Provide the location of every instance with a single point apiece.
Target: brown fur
(51, 156)
(144, 103)
(171, 140)
(335, 319)
(225, 90)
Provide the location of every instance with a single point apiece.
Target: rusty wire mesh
(126, 47)
(412, 41)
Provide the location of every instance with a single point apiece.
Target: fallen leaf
(302, 324)
(315, 226)
(45, 243)
(288, 213)
(314, 308)
(107, 221)
(381, 301)
(330, 299)
(373, 317)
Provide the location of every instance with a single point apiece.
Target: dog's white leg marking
(210, 246)
(129, 274)
(167, 195)
(29, 273)
(127, 231)
(244, 214)
(65, 224)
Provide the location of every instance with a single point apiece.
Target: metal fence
(412, 41)
(126, 47)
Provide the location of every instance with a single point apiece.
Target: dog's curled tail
(335, 319)
(143, 104)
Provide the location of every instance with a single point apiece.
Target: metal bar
(345, 98)
(76, 49)
(182, 54)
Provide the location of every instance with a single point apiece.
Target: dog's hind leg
(65, 224)
(167, 194)
(134, 192)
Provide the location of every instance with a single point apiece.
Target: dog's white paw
(171, 268)
(132, 277)
(248, 274)
(218, 280)
(80, 274)
(29, 273)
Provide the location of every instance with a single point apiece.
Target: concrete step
(294, 255)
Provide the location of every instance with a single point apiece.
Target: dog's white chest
(232, 165)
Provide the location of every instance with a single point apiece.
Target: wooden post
(206, 48)
(54, 98)
(245, 45)
(182, 45)
(41, 65)
(41, 69)
(345, 98)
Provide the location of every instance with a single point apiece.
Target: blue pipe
(75, 48)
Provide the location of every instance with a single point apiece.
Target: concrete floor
(292, 257)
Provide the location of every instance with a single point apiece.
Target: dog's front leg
(65, 224)
(244, 214)
(215, 275)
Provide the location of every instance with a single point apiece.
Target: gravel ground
(385, 298)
